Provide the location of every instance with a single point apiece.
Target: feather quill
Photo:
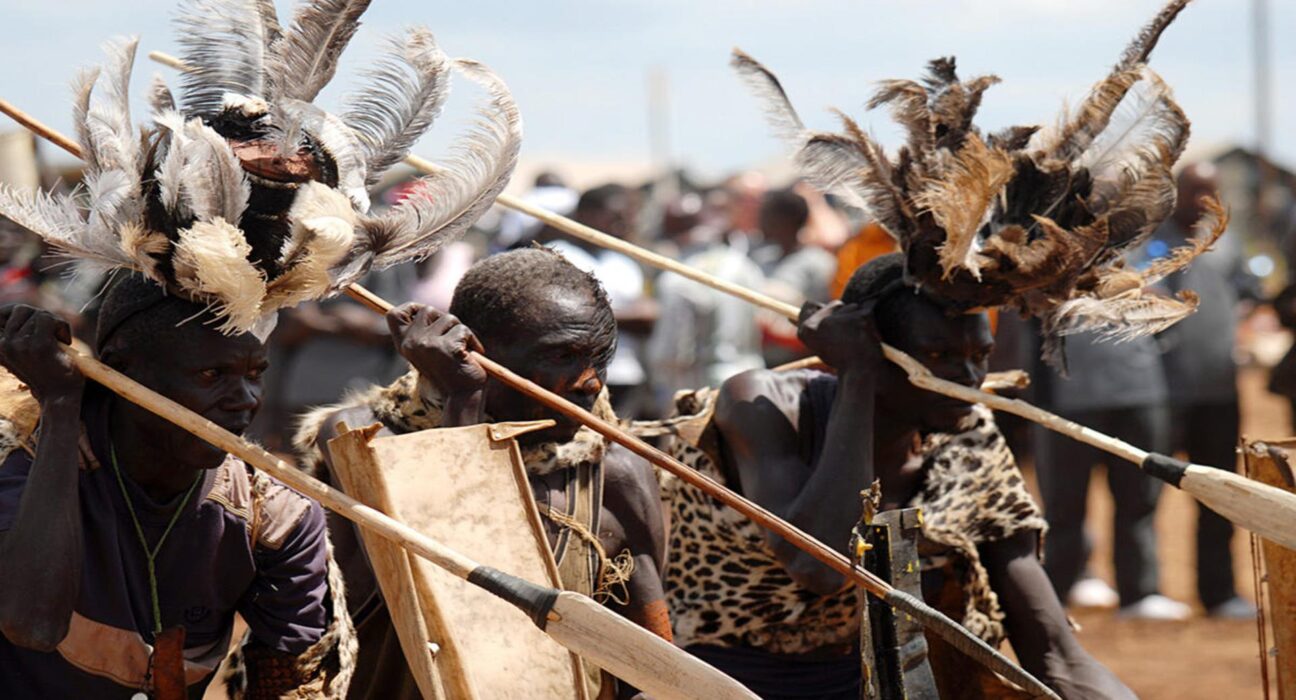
(445, 204)
(402, 97)
(82, 89)
(224, 44)
(305, 58)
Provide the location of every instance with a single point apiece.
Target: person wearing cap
(129, 544)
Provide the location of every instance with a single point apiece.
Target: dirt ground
(1201, 659)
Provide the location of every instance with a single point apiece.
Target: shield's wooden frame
(423, 479)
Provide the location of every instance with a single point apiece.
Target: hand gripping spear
(614, 644)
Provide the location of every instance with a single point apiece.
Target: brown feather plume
(1036, 220)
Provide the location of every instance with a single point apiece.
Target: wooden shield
(467, 488)
(1270, 462)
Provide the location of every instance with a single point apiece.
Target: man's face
(955, 348)
(559, 354)
(216, 376)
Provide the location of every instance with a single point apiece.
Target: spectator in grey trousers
(1202, 376)
(1119, 389)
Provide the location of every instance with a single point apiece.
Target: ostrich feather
(213, 182)
(853, 166)
(908, 103)
(323, 231)
(170, 171)
(58, 220)
(779, 113)
(270, 28)
(1141, 47)
(1213, 224)
(1148, 130)
(114, 201)
(1075, 131)
(961, 201)
(82, 89)
(160, 97)
(224, 44)
(305, 57)
(402, 97)
(1122, 318)
(445, 204)
(146, 248)
(112, 135)
(340, 142)
(211, 263)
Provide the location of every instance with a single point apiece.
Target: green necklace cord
(151, 554)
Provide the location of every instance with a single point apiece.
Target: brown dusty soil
(1202, 658)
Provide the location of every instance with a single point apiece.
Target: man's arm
(822, 499)
(42, 549)
(1037, 625)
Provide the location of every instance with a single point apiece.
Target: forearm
(42, 552)
(463, 409)
(829, 504)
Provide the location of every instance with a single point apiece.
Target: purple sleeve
(286, 604)
(13, 479)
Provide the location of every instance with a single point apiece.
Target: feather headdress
(1030, 218)
(242, 194)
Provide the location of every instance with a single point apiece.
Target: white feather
(211, 263)
(445, 204)
(224, 44)
(340, 142)
(213, 182)
(401, 98)
(305, 58)
(170, 172)
(58, 220)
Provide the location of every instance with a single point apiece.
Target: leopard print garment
(726, 588)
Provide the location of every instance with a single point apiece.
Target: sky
(580, 69)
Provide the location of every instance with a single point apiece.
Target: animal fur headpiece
(244, 195)
(1030, 218)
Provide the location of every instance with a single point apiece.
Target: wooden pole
(951, 631)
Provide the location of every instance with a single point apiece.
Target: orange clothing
(872, 241)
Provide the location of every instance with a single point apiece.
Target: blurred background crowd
(1175, 393)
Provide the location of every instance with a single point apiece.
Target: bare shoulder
(758, 400)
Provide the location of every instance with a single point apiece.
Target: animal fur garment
(243, 195)
(1029, 218)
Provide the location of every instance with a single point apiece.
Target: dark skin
(216, 376)
(556, 355)
(876, 418)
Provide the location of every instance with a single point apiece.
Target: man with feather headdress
(1032, 219)
(239, 199)
(544, 318)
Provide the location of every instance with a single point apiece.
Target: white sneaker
(1156, 607)
(1092, 592)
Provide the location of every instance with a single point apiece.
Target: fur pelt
(1028, 218)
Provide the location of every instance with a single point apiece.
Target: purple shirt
(219, 559)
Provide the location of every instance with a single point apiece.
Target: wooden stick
(623, 649)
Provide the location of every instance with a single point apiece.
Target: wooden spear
(1260, 508)
(959, 637)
